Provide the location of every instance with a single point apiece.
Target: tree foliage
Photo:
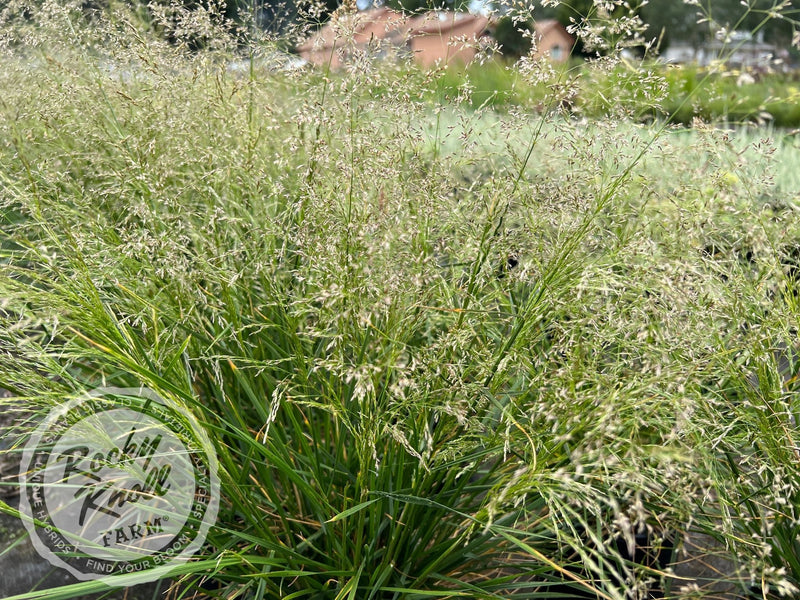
(671, 21)
(666, 21)
(417, 6)
(514, 38)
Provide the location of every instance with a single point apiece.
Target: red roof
(359, 27)
(442, 22)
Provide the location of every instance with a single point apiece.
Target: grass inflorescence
(440, 351)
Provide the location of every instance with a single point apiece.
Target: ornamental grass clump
(439, 351)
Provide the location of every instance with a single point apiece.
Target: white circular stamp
(120, 481)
